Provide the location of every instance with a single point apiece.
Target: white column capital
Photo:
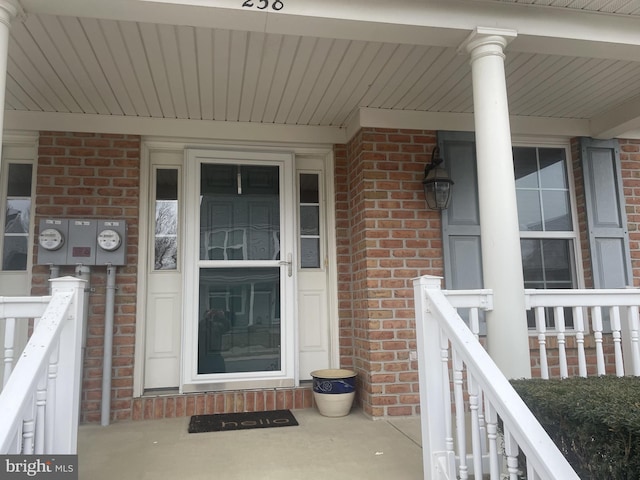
(485, 41)
(9, 9)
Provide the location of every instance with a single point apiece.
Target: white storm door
(239, 285)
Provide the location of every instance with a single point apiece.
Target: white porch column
(9, 9)
(507, 334)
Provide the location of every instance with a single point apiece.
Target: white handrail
(437, 326)
(31, 399)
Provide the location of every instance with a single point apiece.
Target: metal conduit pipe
(54, 272)
(84, 273)
(108, 344)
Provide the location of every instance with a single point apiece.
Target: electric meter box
(51, 241)
(112, 242)
(82, 242)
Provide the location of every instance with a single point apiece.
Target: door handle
(289, 263)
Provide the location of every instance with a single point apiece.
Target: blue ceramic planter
(333, 391)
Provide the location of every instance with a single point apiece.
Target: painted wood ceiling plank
(586, 86)
(323, 79)
(168, 37)
(98, 90)
(281, 77)
(237, 58)
(563, 84)
(123, 58)
(457, 84)
(205, 60)
(31, 85)
(12, 103)
(155, 60)
(33, 65)
(272, 47)
(301, 63)
(550, 69)
(349, 71)
(144, 83)
(376, 89)
(306, 83)
(68, 89)
(19, 99)
(408, 76)
(426, 79)
(382, 54)
(252, 69)
(106, 57)
(186, 49)
(221, 52)
(626, 87)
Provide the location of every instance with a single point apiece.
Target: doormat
(241, 421)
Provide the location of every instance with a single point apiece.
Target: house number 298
(277, 5)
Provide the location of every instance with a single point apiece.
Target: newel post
(66, 402)
(435, 410)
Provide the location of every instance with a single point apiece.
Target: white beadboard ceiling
(119, 67)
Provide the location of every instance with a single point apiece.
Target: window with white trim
(548, 235)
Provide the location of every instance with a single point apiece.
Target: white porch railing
(473, 422)
(40, 398)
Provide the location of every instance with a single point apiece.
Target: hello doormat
(241, 421)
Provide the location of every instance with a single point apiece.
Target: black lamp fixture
(436, 183)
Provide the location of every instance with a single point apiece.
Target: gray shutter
(606, 218)
(461, 221)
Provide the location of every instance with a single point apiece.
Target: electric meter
(50, 239)
(109, 240)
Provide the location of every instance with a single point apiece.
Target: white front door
(239, 295)
(223, 306)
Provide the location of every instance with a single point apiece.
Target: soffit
(119, 67)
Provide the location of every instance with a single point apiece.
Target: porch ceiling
(232, 64)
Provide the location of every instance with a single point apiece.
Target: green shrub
(594, 421)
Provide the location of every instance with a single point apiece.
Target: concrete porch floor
(352, 447)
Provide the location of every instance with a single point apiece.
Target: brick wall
(391, 238)
(630, 163)
(84, 175)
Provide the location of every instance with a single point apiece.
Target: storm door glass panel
(17, 215)
(239, 310)
(239, 212)
(166, 221)
(239, 328)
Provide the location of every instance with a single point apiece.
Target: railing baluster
(458, 396)
(28, 428)
(562, 342)
(597, 335)
(616, 327)
(446, 390)
(474, 321)
(511, 452)
(541, 327)
(50, 411)
(578, 323)
(492, 436)
(474, 407)
(41, 402)
(9, 343)
(634, 326)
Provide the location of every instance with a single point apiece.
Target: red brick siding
(630, 163)
(85, 175)
(391, 238)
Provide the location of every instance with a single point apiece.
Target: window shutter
(606, 218)
(461, 221)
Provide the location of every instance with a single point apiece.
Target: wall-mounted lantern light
(436, 183)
